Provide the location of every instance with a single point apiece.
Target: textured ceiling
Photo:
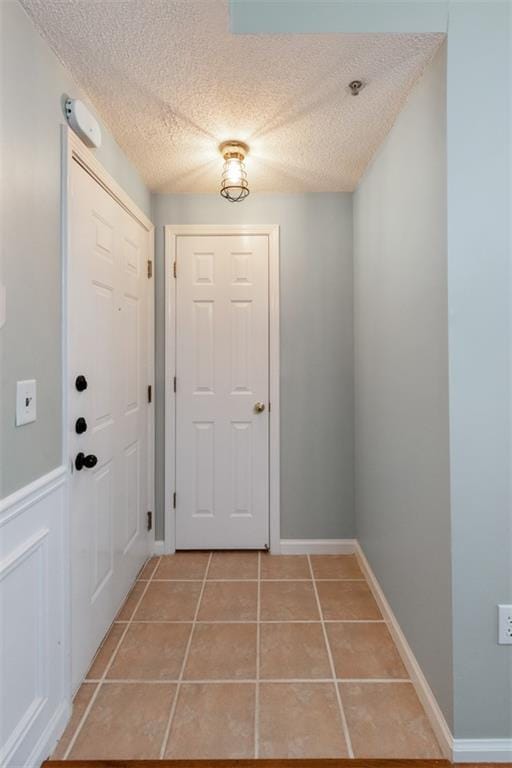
(171, 82)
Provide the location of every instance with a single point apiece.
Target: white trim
(66, 139)
(28, 495)
(50, 736)
(169, 395)
(78, 151)
(482, 750)
(33, 519)
(159, 548)
(171, 233)
(274, 392)
(418, 679)
(318, 546)
(151, 484)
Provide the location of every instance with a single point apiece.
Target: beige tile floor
(242, 655)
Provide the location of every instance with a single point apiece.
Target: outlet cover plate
(505, 624)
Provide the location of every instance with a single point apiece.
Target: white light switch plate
(25, 402)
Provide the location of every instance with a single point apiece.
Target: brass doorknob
(259, 407)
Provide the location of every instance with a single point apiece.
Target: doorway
(222, 391)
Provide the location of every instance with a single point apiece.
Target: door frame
(73, 150)
(171, 233)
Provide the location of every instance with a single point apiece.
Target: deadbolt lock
(81, 383)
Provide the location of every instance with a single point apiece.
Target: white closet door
(222, 367)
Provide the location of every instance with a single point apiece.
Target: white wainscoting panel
(34, 615)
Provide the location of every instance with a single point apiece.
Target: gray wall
(480, 342)
(401, 377)
(33, 86)
(316, 349)
(479, 84)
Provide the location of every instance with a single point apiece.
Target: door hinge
(150, 393)
(174, 270)
(149, 521)
(150, 269)
(174, 384)
(174, 500)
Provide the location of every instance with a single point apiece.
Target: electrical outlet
(505, 624)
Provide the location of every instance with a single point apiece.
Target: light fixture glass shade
(234, 185)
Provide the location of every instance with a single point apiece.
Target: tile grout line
(245, 581)
(252, 681)
(263, 621)
(333, 668)
(109, 663)
(145, 583)
(257, 688)
(174, 705)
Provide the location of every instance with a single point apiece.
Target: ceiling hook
(356, 86)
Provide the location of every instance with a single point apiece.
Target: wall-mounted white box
(25, 402)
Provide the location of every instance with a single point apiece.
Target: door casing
(171, 233)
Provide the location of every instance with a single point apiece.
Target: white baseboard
(422, 688)
(318, 546)
(294, 547)
(159, 547)
(50, 736)
(482, 751)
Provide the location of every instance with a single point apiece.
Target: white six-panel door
(222, 393)
(108, 345)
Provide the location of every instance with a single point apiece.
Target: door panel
(222, 367)
(241, 473)
(132, 519)
(203, 345)
(204, 478)
(240, 346)
(108, 303)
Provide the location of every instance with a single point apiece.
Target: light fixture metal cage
(234, 190)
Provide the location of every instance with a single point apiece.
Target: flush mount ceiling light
(234, 186)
